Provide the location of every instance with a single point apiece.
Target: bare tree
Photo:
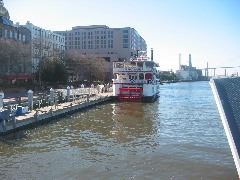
(15, 57)
(89, 67)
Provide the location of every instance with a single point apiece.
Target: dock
(52, 112)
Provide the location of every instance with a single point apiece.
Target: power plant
(188, 72)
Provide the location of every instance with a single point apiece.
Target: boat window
(130, 65)
(141, 76)
(148, 76)
(149, 64)
(140, 64)
(133, 63)
(132, 76)
(119, 65)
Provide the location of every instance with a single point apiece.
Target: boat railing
(133, 81)
(132, 69)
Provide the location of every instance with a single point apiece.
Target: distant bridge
(225, 68)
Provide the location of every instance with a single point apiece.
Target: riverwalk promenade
(73, 101)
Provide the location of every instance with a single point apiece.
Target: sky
(209, 30)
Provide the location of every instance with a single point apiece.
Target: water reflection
(131, 121)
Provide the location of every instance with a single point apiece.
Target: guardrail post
(14, 121)
(88, 97)
(1, 99)
(68, 93)
(30, 99)
(4, 124)
(36, 116)
(51, 96)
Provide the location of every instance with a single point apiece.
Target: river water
(180, 136)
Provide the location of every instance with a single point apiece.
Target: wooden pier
(52, 112)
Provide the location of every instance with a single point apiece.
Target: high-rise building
(45, 44)
(111, 43)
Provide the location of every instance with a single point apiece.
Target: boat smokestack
(151, 54)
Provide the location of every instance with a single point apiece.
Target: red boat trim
(132, 83)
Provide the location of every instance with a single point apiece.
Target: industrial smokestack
(180, 61)
(190, 60)
(207, 70)
(151, 54)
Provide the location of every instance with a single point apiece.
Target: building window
(5, 33)
(125, 40)
(111, 44)
(125, 45)
(15, 35)
(10, 34)
(24, 38)
(84, 45)
(141, 76)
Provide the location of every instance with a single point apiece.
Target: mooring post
(36, 116)
(14, 121)
(51, 112)
(51, 96)
(30, 99)
(1, 99)
(68, 93)
(74, 94)
(92, 88)
(87, 97)
(18, 100)
(4, 124)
